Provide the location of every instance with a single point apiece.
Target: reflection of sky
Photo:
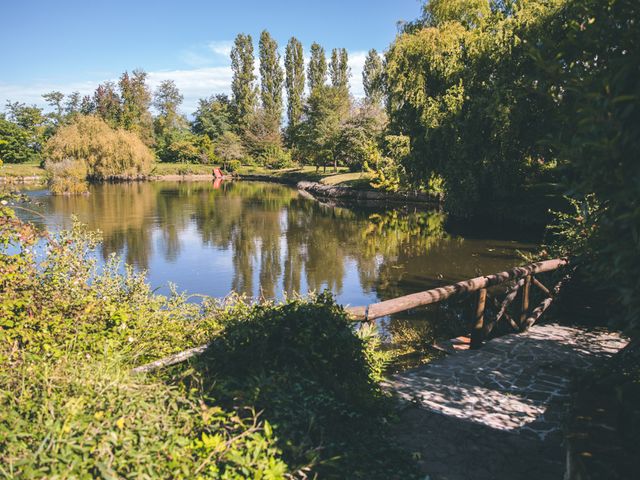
(199, 266)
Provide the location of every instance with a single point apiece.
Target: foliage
(324, 113)
(71, 332)
(67, 177)
(317, 67)
(372, 77)
(360, 134)
(274, 156)
(596, 63)
(271, 80)
(229, 148)
(106, 152)
(261, 134)
(107, 103)
(213, 117)
(339, 70)
(315, 381)
(15, 143)
(185, 147)
(242, 85)
(463, 86)
(294, 81)
(135, 102)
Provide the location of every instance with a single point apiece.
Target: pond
(269, 240)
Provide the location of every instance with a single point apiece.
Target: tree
(136, 100)
(317, 68)
(229, 148)
(294, 65)
(372, 77)
(32, 121)
(87, 105)
(106, 152)
(324, 114)
(271, 80)
(15, 143)
(54, 99)
(72, 105)
(339, 68)
(213, 116)
(360, 135)
(166, 99)
(106, 102)
(243, 90)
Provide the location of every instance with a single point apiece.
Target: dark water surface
(266, 239)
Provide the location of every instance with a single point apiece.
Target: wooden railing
(523, 277)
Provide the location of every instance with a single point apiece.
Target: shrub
(107, 152)
(70, 406)
(67, 177)
(93, 419)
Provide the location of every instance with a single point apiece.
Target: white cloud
(356, 63)
(194, 83)
(222, 48)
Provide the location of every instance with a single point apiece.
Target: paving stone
(486, 402)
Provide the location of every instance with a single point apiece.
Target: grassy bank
(343, 177)
(21, 170)
(286, 390)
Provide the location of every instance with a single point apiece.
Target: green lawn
(308, 173)
(15, 170)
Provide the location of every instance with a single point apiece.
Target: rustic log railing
(524, 277)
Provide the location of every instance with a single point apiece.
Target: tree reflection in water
(266, 240)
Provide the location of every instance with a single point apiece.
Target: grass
(181, 169)
(342, 178)
(17, 170)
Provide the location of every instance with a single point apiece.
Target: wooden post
(525, 300)
(477, 334)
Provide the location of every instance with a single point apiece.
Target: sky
(70, 45)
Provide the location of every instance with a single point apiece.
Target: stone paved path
(496, 412)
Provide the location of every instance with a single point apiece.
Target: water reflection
(266, 240)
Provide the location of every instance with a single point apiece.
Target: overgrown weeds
(286, 390)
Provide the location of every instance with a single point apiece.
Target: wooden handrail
(435, 295)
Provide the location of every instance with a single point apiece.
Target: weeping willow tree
(89, 149)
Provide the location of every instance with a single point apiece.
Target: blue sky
(74, 45)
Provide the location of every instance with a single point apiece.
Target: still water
(268, 240)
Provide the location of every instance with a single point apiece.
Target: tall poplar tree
(339, 68)
(294, 66)
(317, 70)
(243, 89)
(372, 78)
(271, 80)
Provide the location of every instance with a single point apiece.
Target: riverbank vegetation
(285, 390)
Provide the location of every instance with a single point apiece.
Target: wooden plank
(539, 284)
(525, 299)
(435, 295)
(477, 334)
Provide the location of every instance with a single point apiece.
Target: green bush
(70, 333)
